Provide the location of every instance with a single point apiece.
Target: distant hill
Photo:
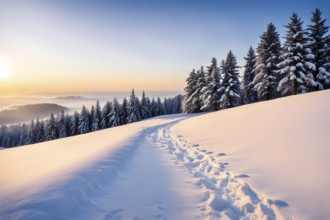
(23, 113)
(73, 98)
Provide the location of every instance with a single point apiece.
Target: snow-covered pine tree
(149, 106)
(211, 93)
(153, 107)
(114, 117)
(98, 113)
(4, 136)
(145, 108)
(91, 117)
(23, 135)
(177, 104)
(133, 113)
(188, 105)
(105, 115)
(138, 104)
(51, 128)
(39, 131)
(96, 121)
(196, 99)
(266, 70)
(74, 127)
(15, 137)
(230, 84)
(62, 132)
(32, 133)
(67, 123)
(83, 121)
(123, 112)
(248, 93)
(296, 67)
(318, 42)
(166, 106)
(159, 108)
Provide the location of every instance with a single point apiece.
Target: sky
(68, 46)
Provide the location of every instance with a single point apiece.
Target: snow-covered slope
(262, 161)
(280, 147)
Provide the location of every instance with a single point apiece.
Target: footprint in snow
(196, 145)
(242, 176)
(221, 154)
(160, 208)
(200, 157)
(279, 203)
(224, 164)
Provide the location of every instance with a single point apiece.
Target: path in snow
(157, 176)
(225, 196)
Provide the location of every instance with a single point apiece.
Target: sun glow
(4, 69)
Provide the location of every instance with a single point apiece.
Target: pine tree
(91, 115)
(153, 107)
(4, 136)
(159, 109)
(166, 106)
(105, 115)
(138, 105)
(114, 117)
(266, 69)
(188, 105)
(145, 108)
(74, 128)
(318, 43)
(67, 124)
(62, 132)
(248, 93)
(51, 128)
(230, 84)
(123, 112)
(39, 131)
(23, 135)
(98, 113)
(83, 121)
(211, 93)
(177, 104)
(31, 133)
(133, 113)
(96, 120)
(297, 66)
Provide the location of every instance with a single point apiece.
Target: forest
(300, 65)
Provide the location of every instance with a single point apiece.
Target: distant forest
(88, 120)
(300, 65)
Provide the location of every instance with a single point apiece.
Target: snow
(260, 161)
(110, 173)
(310, 65)
(282, 145)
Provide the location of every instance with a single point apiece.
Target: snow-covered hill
(280, 148)
(262, 161)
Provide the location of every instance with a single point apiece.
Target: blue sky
(117, 45)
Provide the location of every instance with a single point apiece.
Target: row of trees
(87, 120)
(300, 65)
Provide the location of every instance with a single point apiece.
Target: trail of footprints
(225, 195)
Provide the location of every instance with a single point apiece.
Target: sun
(4, 69)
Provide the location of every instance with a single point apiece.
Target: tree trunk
(294, 92)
